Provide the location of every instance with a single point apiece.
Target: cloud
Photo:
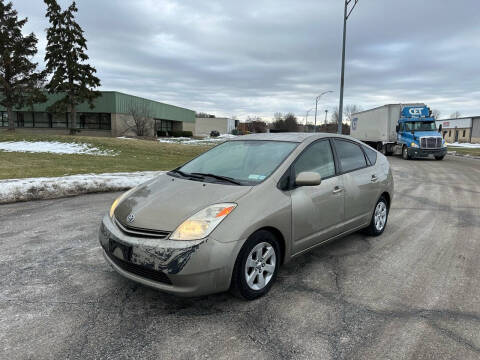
(260, 57)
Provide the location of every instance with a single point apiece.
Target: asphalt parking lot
(413, 293)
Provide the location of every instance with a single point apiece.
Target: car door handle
(374, 178)
(337, 190)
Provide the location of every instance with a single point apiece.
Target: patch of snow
(53, 147)
(465, 145)
(125, 138)
(190, 141)
(13, 190)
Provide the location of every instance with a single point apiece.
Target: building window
(449, 133)
(166, 125)
(464, 132)
(94, 121)
(20, 120)
(42, 120)
(105, 122)
(3, 119)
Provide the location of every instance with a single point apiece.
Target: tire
(405, 155)
(439, 157)
(379, 218)
(265, 268)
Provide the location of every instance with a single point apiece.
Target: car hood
(165, 202)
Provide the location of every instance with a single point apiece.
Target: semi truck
(404, 129)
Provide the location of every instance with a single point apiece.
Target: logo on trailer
(354, 123)
(131, 217)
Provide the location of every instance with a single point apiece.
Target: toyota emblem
(131, 218)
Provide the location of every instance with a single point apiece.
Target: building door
(456, 135)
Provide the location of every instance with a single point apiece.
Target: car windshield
(420, 126)
(244, 162)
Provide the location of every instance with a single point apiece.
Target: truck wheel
(381, 148)
(439, 157)
(405, 155)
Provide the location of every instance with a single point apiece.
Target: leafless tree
(456, 115)
(436, 113)
(350, 110)
(255, 124)
(140, 120)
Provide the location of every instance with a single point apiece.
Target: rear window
(371, 154)
(350, 155)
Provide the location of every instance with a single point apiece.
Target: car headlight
(414, 145)
(119, 200)
(203, 222)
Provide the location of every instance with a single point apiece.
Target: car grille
(139, 270)
(431, 142)
(140, 232)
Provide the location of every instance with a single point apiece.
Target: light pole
(346, 15)
(326, 113)
(306, 117)
(316, 107)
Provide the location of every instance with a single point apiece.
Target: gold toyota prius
(230, 217)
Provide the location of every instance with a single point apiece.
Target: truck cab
(417, 134)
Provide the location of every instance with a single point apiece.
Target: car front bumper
(183, 268)
(419, 152)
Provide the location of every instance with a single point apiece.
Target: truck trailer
(404, 129)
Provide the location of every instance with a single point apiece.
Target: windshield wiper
(219, 177)
(186, 175)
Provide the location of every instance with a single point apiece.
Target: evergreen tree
(20, 83)
(66, 61)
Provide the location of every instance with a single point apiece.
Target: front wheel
(379, 218)
(439, 157)
(256, 266)
(405, 155)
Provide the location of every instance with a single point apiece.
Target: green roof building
(113, 114)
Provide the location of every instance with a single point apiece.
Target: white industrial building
(205, 125)
(465, 129)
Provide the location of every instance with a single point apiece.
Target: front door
(317, 211)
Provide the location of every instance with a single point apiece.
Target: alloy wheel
(380, 216)
(260, 266)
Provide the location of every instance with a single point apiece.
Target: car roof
(288, 136)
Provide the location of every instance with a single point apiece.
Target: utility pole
(316, 107)
(346, 15)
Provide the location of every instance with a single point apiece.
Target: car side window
(318, 158)
(350, 155)
(371, 154)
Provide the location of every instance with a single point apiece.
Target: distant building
(465, 129)
(205, 125)
(110, 116)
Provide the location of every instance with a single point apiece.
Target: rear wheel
(439, 157)
(405, 155)
(256, 266)
(379, 218)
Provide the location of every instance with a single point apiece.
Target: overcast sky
(258, 57)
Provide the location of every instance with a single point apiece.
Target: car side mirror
(397, 128)
(308, 178)
(440, 128)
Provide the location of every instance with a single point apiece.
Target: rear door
(317, 211)
(359, 180)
